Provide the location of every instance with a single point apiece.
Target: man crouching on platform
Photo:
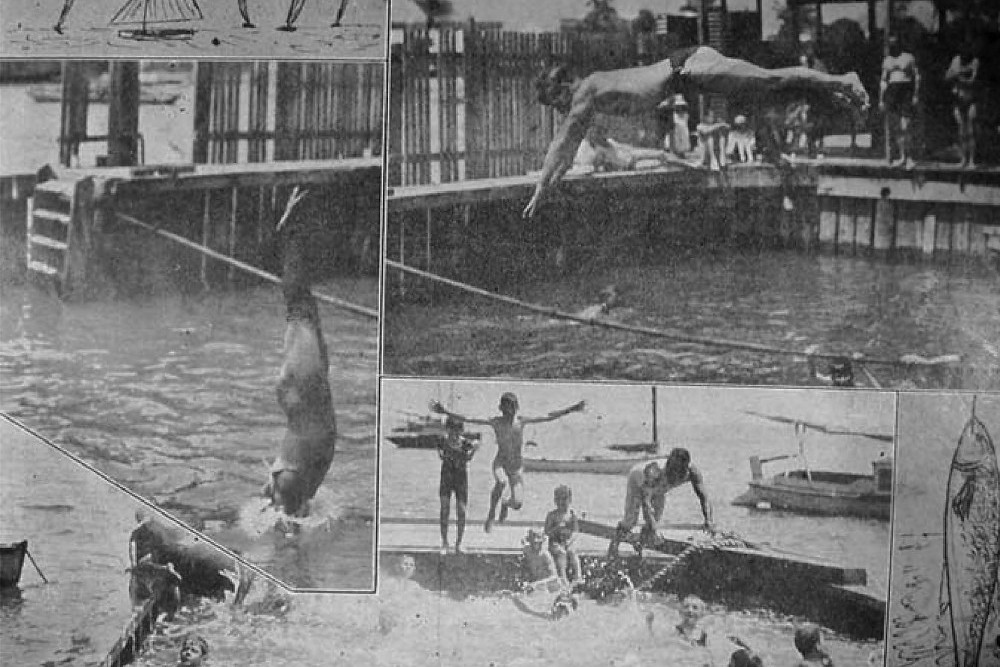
(303, 385)
(648, 484)
(639, 90)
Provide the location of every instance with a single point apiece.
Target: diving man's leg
(245, 13)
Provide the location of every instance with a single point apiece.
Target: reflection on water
(174, 397)
(784, 299)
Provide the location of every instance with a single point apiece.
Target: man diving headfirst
(629, 92)
(303, 384)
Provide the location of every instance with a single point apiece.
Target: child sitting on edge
(807, 640)
(561, 527)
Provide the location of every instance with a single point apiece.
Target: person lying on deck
(648, 485)
(508, 464)
(630, 92)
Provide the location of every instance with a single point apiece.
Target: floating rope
(332, 300)
(37, 569)
(719, 540)
(906, 360)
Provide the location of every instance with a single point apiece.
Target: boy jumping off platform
(508, 465)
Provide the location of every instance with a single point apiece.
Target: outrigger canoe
(970, 603)
(12, 562)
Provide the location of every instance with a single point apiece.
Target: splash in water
(258, 516)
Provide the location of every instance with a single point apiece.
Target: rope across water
(905, 360)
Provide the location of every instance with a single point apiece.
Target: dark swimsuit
(898, 97)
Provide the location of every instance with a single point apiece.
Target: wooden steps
(55, 216)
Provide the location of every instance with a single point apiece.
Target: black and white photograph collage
(500, 333)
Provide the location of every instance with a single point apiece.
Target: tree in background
(603, 18)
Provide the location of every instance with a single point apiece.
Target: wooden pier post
(827, 224)
(123, 114)
(75, 101)
(846, 227)
(884, 225)
(863, 228)
(927, 241)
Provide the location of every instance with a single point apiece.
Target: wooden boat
(601, 465)
(423, 432)
(972, 547)
(150, 15)
(11, 563)
(818, 491)
(594, 465)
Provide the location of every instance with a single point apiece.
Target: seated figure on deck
(539, 566)
(303, 384)
(639, 90)
(561, 528)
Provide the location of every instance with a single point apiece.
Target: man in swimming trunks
(899, 92)
(963, 75)
(648, 484)
(639, 90)
(508, 464)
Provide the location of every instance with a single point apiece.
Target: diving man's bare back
(630, 92)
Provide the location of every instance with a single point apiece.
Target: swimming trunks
(454, 479)
(898, 97)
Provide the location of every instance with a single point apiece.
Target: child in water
(807, 640)
(691, 628)
(561, 527)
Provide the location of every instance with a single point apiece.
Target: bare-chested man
(648, 485)
(303, 385)
(899, 94)
(630, 92)
(508, 464)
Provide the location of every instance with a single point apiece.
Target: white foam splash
(258, 516)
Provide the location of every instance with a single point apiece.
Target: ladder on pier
(56, 214)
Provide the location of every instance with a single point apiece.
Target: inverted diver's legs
(340, 13)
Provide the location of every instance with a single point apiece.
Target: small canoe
(972, 548)
(11, 563)
(594, 465)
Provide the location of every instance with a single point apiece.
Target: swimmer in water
(807, 642)
(508, 464)
(194, 650)
(639, 90)
(691, 628)
(899, 94)
(538, 564)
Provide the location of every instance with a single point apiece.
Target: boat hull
(972, 548)
(590, 465)
(11, 563)
(417, 441)
(847, 498)
(156, 34)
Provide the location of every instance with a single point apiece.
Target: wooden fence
(464, 103)
(262, 111)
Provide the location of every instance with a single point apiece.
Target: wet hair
(196, 641)
(807, 639)
(742, 657)
(679, 456)
(510, 399)
(563, 491)
(453, 423)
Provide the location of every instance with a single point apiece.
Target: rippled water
(77, 527)
(780, 298)
(174, 397)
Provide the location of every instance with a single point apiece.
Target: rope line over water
(906, 360)
(243, 266)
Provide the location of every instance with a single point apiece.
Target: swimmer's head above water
(194, 649)
(692, 608)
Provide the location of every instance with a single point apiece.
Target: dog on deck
(303, 384)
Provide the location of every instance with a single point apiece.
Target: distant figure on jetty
(963, 75)
(648, 484)
(303, 384)
(639, 90)
(455, 452)
(508, 464)
(899, 94)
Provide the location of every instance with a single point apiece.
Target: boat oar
(782, 457)
(37, 569)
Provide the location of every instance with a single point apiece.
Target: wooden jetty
(742, 577)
